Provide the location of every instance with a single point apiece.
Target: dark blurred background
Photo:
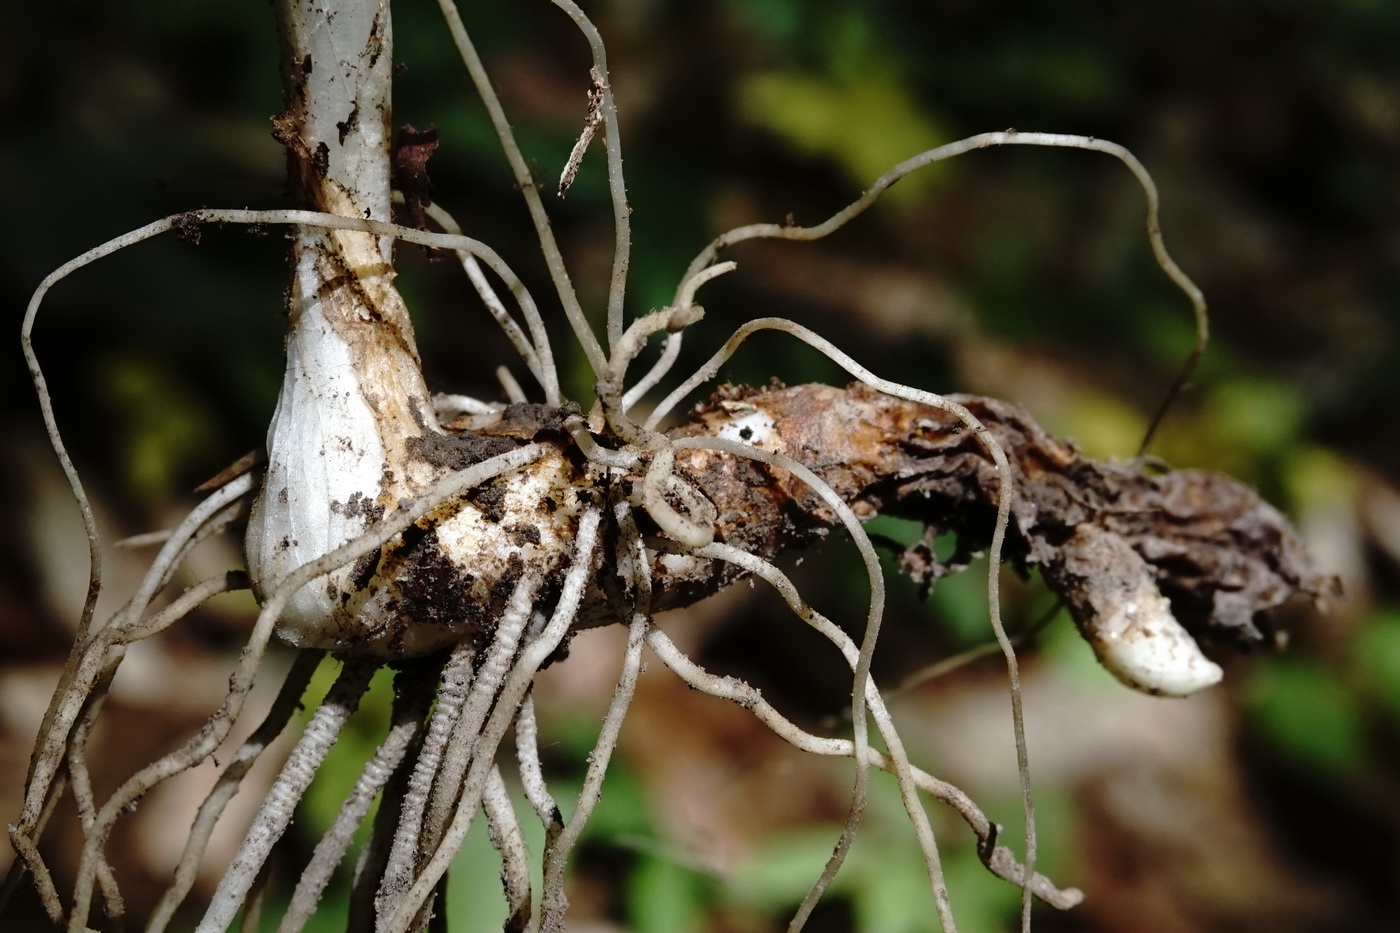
(1273, 130)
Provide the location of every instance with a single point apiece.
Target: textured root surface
(1218, 552)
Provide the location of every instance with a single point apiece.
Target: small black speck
(522, 534)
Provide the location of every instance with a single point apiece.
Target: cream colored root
(670, 352)
(632, 555)
(203, 744)
(1005, 496)
(508, 701)
(28, 855)
(532, 781)
(553, 901)
(554, 260)
(491, 674)
(685, 298)
(997, 858)
(509, 385)
(98, 655)
(535, 350)
(617, 186)
(411, 701)
(455, 680)
(75, 752)
(286, 704)
(41, 389)
(275, 812)
(506, 836)
(861, 669)
(898, 757)
(984, 141)
(446, 405)
(112, 903)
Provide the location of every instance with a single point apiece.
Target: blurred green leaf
(865, 124)
(164, 427)
(1261, 416)
(892, 895)
(780, 871)
(664, 897)
(1377, 660)
(1309, 713)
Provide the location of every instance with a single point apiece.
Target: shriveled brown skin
(1221, 555)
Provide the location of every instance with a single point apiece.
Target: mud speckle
(361, 505)
(432, 590)
(363, 571)
(454, 451)
(349, 125)
(491, 500)
(523, 534)
(321, 159)
(188, 226)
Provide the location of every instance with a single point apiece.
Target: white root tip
(1144, 646)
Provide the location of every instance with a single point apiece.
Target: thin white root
(695, 527)
(508, 701)
(504, 829)
(617, 186)
(136, 542)
(860, 669)
(1005, 495)
(597, 453)
(898, 758)
(286, 704)
(446, 406)
(90, 657)
(509, 385)
(671, 350)
(997, 858)
(278, 805)
(1152, 222)
(410, 703)
(203, 744)
(112, 904)
(554, 260)
(534, 350)
(76, 747)
(681, 314)
(557, 850)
